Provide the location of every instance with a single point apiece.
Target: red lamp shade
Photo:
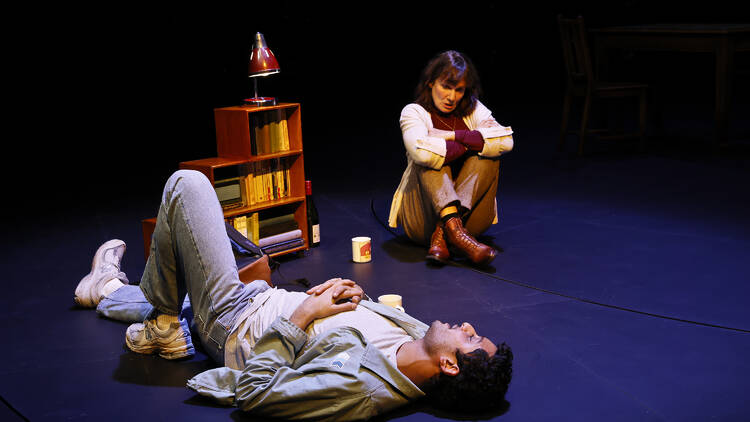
(262, 60)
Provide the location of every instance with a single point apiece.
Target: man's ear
(449, 366)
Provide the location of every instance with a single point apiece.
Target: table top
(678, 28)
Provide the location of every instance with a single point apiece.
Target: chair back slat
(575, 49)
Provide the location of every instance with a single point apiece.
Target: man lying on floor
(327, 353)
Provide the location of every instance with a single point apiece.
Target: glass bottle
(313, 221)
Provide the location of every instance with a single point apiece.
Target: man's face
(442, 337)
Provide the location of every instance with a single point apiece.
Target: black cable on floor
(13, 409)
(576, 298)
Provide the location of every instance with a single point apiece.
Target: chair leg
(584, 122)
(565, 116)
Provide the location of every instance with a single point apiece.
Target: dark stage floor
(665, 232)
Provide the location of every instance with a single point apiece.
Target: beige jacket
(428, 151)
(335, 376)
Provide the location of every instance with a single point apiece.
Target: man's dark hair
(479, 386)
(451, 66)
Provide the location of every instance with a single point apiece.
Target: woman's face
(446, 96)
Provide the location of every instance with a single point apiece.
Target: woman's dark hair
(480, 384)
(450, 66)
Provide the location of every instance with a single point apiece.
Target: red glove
(453, 151)
(471, 139)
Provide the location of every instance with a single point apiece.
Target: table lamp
(262, 63)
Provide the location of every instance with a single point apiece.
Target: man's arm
(273, 384)
(332, 297)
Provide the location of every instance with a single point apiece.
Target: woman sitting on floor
(453, 145)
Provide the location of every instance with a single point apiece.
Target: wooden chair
(582, 82)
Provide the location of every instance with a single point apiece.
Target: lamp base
(260, 101)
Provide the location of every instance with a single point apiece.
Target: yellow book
(243, 192)
(257, 182)
(248, 189)
(281, 143)
(282, 178)
(284, 135)
(257, 142)
(278, 179)
(266, 133)
(268, 180)
(273, 132)
(240, 224)
(262, 182)
(253, 227)
(287, 178)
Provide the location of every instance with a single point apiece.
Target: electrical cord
(576, 298)
(13, 409)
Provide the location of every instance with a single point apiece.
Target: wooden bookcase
(235, 135)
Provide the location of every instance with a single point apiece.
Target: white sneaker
(174, 342)
(104, 267)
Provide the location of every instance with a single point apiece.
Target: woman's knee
(485, 167)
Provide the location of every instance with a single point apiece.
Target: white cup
(361, 249)
(391, 300)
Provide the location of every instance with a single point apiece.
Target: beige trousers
(429, 191)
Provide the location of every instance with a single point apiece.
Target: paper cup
(361, 247)
(391, 300)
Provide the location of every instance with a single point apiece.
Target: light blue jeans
(190, 255)
(475, 188)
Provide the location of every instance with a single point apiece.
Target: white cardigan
(428, 151)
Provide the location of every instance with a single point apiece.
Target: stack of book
(270, 132)
(272, 234)
(268, 180)
(280, 233)
(252, 183)
(247, 225)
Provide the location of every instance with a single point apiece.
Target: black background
(109, 101)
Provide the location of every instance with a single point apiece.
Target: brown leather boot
(438, 248)
(459, 238)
